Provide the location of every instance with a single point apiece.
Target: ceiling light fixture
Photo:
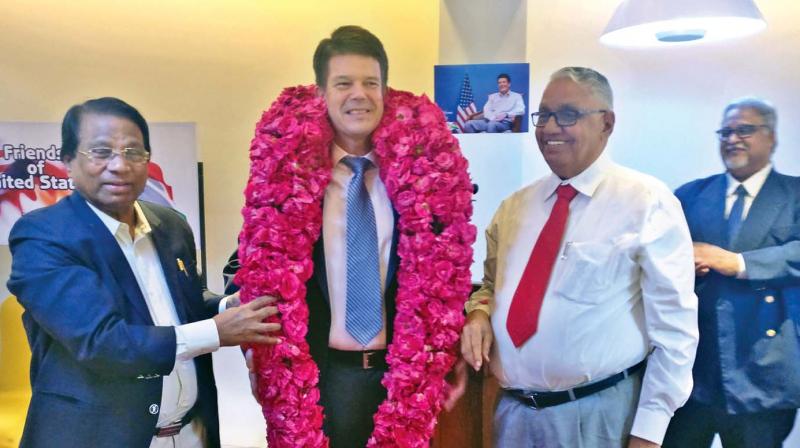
(651, 23)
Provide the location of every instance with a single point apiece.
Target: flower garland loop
(426, 179)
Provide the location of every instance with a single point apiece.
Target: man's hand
(707, 256)
(251, 369)
(636, 442)
(501, 116)
(243, 324)
(458, 385)
(476, 339)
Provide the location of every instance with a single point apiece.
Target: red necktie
(523, 316)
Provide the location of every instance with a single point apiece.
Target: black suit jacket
(97, 359)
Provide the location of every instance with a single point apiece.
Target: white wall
(669, 101)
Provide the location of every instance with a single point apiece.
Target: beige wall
(215, 63)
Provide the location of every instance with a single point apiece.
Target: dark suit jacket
(97, 359)
(748, 358)
(318, 300)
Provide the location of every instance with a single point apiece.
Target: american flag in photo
(466, 103)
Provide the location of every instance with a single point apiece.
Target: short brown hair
(349, 39)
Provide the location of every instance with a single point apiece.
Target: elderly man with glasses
(746, 227)
(587, 280)
(119, 328)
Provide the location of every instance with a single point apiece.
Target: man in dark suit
(746, 228)
(119, 329)
(351, 295)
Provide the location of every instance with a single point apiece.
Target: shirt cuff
(742, 272)
(223, 304)
(478, 303)
(196, 338)
(650, 425)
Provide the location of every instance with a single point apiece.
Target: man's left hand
(709, 256)
(636, 442)
(500, 117)
(458, 384)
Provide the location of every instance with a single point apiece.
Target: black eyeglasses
(741, 131)
(565, 117)
(101, 156)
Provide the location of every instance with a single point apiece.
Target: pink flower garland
(427, 182)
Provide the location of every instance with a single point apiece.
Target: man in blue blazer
(119, 329)
(746, 228)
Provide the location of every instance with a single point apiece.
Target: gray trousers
(600, 420)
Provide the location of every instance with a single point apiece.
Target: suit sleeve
(65, 296)
(779, 263)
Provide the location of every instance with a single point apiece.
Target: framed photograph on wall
(483, 98)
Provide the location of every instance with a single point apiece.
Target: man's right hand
(251, 370)
(243, 324)
(476, 339)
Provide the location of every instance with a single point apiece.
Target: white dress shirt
(510, 103)
(622, 287)
(179, 391)
(334, 233)
(752, 185)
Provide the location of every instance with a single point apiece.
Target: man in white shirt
(588, 277)
(499, 111)
(119, 328)
(746, 227)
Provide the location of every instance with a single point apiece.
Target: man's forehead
(747, 114)
(565, 93)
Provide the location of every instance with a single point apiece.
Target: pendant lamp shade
(652, 23)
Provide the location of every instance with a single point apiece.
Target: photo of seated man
(500, 110)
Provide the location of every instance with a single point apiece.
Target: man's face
(744, 156)
(111, 187)
(503, 85)
(354, 95)
(571, 149)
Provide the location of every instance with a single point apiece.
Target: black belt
(175, 427)
(539, 400)
(367, 359)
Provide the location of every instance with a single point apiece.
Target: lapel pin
(182, 266)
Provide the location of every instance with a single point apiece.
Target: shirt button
(771, 333)
(769, 299)
(153, 409)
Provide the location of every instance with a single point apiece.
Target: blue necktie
(735, 218)
(364, 310)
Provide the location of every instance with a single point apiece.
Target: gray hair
(761, 107)
(590, 78)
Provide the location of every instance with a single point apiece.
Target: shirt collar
(752, 184)
(586, 182)
(337, 153)
(115, 227)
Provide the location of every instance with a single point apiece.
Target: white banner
(32, 176)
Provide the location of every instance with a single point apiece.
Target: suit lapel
(765, 209)
(710, 208)
(169, 260)
(110, 251)
(394, 259)
(320, 271)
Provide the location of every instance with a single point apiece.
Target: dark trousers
(350, 396)
(695, 424)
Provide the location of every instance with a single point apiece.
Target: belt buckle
(532, 397)
(365, 360)
(170, 430)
